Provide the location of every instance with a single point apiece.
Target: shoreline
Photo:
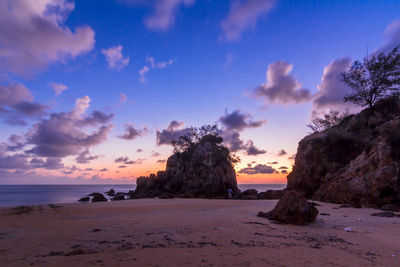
(207, 232)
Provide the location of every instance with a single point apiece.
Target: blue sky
(205, 60)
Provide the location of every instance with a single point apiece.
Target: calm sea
(16, 195)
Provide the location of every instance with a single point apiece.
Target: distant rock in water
(84, 199)
(292, 208)
(110, 193)
(271, 194)
(249, 194)
(355, 162)
(199, 168)
(97, 197)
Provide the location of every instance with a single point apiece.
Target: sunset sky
(93, 91)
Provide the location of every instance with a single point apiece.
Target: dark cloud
(239, 121)
(85, 157)
(49, 163)
(63, 134)
(283, 168)
(282, 152)
(258, 169)
(126, 160)
(88, 169)
(103, 170)
(292, 157)
(284, 171)
(173, 132)
(251, 150)
(16, 104)
(122, 166)
(161, 161)
(132, 133)
(281, 86)
(273, 163)
(139, 150)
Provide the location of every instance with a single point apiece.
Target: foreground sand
(192, 232)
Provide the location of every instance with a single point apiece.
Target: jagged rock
(84, 199)
(97, 197)
(292, 208)
(203, 171)
(271, 194)
(355, 162)
(249, 194)
(110, 193)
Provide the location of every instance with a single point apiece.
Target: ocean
(17, 195)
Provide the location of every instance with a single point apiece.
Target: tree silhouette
(374, 78)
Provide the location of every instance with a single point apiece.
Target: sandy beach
(193, 232)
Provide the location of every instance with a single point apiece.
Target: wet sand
(192, 232)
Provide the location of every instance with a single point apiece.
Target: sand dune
(192, 232)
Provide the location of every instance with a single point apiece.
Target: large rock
(249, 194)
(271, 194)
(204, 171)
(356, 162)
(292, 208)
(97, 197)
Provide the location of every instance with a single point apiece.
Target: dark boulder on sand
(271, 194)
(249, 194)
(110, 193)
(202, 169)
(356, 162)
(292, 208)
(119, 196)
(84, 199)
(97, 197)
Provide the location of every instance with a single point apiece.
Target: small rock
(249, 194)
(390, 207)
(84, 199)
(118, 197)
(324, 214)
(110, 193)
(348, 229)
(96, 230)
(97, 197)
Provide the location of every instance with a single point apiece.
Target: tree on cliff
(327, 121)
(208, 133)
(374, 78)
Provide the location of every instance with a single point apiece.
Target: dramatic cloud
(282, 152)
(239, 121)
(281, 86)
(34, 33)
(173, 132)
(332, 89)
(251, 150)
(64, 134)
(152, 64)
(85, 157)
(132, 133)
(392, 37)
(258, 169)
(58, 88)
(114, 57)
(49, 163)
(235, 122)
(16, 104)
(243, 15)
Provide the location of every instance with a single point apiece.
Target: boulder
(356, 162)
(292, 208)
(110, 193)
(97, 197)
(271, 194)
(249, 194)
(390, 207)
(202, 171)
(118, 197)
(84, 199)
(386, 214)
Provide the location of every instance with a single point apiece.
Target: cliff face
(355, 162)
(205, 171)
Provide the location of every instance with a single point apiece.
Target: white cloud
(114, 57)
(33, 34)
(152, 64)
(244, 14)
(58, 88)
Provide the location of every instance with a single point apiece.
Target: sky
(93, 92)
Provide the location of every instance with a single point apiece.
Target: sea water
(17, 195)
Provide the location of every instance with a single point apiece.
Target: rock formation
(292, 208)
(97, 197)
(355, 162)
(203, 169)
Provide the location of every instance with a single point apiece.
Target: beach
(192, 232)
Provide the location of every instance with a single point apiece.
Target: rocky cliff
(355, 162)
(205, 170)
